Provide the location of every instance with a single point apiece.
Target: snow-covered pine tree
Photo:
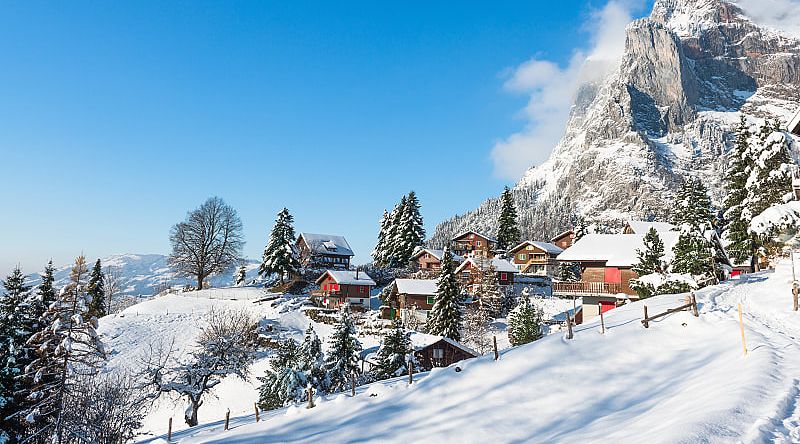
(44, 297)
(696, 250)
(393, 354)
(272, 392)
(241, 276)
(14, 332)
(411, 232)
(491, 297)
(341, 363)
(96, 292)
(524, 323)
(380, 252)
(395, 241)
(769, 178)
(279, 254)
(507, 232)
(740, 241)
(67, 348)
(311, 361)
(651, 258)
(568, 272)
(445, 317)
(581, 228)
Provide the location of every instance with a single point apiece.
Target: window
(335, 287)
(427, 256)
(362, 289)
(503, 276)
(430, 300)
(438, 353)
(472, 236)
(522, 256)
(465, 274)
(478, 243)
(529, 247)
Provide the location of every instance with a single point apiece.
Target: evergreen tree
(693, 205)
(445, 317)
(411, 233)
(697, 249)
(311, 361)
(45, 296)
(740, 240)
(379, 254)
(568, 272)
(393, 354)
(341, 364)
(651, 258)
(508, 232)
(279, 254)
(581, 228)
(280, 385)
(96, 292)
(769, 178)
(395, 236)
(524, 323)
(68, 348)
(241, 276)
(14, 332)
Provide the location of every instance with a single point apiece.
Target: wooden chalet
(606, 262)
(428, 259)
(564, 240)
(535, 258)
(471, 271)
(417, 293)
(340, 286)
(472, 243)
(437, 351)
(323, 251)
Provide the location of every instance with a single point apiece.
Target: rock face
(668, 111)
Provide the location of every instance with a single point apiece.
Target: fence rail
(585, 288)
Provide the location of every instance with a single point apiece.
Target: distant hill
(144, 274)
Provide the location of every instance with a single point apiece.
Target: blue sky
(118, 117)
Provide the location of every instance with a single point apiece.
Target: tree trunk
(191, 413)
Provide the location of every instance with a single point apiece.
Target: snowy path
(684, 379)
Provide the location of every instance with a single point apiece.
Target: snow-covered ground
(684, 379)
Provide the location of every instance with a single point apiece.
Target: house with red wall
(340, 286)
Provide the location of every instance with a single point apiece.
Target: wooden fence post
(353, 383)
(410, 372)
(795, 291)
(569, 327)
(741, 327)
(496, 353)
(227, 418)
(169, 430)
(694, 306)
(646, 322)
(602, 321)
(255, 406)
(310, 391)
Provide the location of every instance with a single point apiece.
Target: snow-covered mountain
(143, 274)
(667, 111)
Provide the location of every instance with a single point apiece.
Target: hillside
(684, 379)
(687, 72)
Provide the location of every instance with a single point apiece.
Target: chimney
(357, 268)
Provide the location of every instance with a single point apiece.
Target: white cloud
(552, 90)
(783, 15)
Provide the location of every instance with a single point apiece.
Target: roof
(544, 246)
(560, 235)
(500, 265)
(642, 227)
(616, 250)
(488, 238)
(423, 340)
(416, 286)
(794, 123)
(327, 244)
(348, 277)
(435, 253)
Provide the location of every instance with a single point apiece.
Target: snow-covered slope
(684, 379)
(143, 274)
(667, 111)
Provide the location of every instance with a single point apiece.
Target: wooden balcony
(585, 289)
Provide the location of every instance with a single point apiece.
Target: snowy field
(684, 379)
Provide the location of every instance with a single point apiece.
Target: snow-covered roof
(348, 277)
(501, 265)
(422, 340)
(560, 235)
(435, 253)
(489, 238)
(327, 244)
(794, 123)
(544, 246)
(642, 227)
(416, 286)
(616, 250)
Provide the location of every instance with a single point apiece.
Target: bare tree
(209, 241)
(111, 283)
(226, 346)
